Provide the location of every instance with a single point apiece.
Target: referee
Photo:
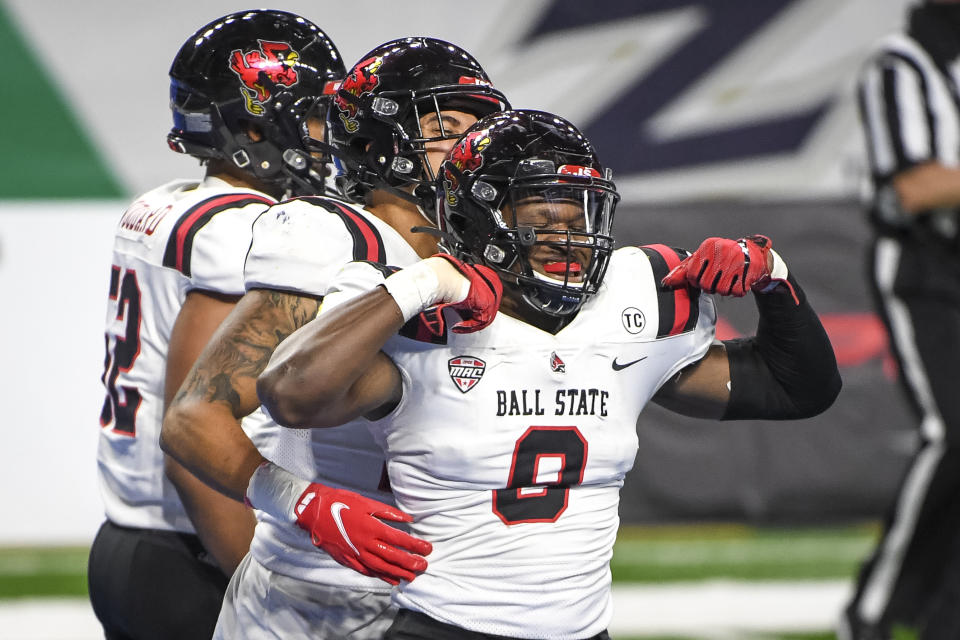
(909, 94)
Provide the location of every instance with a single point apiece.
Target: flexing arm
(699, 390)
(224, 526)
(333, 371)
(786, 371)
(201, 429)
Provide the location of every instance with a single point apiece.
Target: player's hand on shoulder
(479, 307)
(731, 267)
(350, 528)
(442, 282)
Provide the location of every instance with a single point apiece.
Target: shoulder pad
(178, 251)
(679, 308)
(367, 242)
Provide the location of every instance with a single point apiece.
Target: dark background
(845, 463)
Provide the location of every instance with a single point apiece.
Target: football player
(244, 90)
(508, 435)
(392, 122)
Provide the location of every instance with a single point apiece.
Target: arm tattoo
(227, 370)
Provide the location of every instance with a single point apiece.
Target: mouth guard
(573, 268)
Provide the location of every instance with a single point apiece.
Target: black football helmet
(262, 68)
(523, 185)
(373, 122)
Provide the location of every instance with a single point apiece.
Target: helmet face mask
(241, 90)
(523, 193)
(316, 158)
(560, 240)
(390, 109)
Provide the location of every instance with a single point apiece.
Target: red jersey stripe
(185, 227)
(374, 250)
(681, 297)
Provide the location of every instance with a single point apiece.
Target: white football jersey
(510, 446)
(181, 236)
(301, 245)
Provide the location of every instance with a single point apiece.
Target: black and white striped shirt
(910, 108)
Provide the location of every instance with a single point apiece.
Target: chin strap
(425, 215)
(446, 238)
(406, 195)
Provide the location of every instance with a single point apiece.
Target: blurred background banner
(718, 117)
(686, 99)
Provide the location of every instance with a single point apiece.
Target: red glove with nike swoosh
(346, 525)
(732, 267)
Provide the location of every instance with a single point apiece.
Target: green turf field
(43, 571)
(673, 554)
(650, 555)
(687, 553)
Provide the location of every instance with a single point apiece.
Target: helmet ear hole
(253, 131)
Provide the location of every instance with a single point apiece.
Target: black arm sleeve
(788, 370)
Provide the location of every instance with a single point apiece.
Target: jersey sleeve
(352, 280)
(685, 316)
(210, 241)
(678, 308)
(702, 336)
(300, 245)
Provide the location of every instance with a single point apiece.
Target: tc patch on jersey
(633, 320)
(466, 371)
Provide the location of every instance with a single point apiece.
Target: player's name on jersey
(143, 218)
(566, 402)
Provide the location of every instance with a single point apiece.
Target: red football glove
(480, 306)
(428, 287)
(724, 266)
(344, 524)
(348, 526)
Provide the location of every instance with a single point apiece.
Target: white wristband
(424, 284)
(276, 491)
(778, 274)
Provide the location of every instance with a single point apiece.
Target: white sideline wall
(54, 273)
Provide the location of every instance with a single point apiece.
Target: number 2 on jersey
(547, 461)
(122, 411)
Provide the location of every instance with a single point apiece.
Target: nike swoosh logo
(335, 510)
(618, 366)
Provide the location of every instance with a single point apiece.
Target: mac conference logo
(466, 371)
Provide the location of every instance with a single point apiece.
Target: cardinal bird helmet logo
(262, 71)
(467, 155)
(361, 80)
